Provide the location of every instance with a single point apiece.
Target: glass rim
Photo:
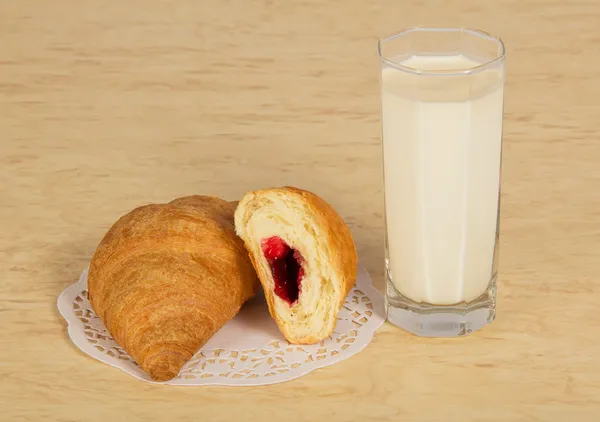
(451, 72)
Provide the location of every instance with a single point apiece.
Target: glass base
(426, 320)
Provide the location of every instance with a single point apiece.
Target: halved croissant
(304, 256)
(166, 277)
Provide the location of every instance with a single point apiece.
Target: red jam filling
(286, 266)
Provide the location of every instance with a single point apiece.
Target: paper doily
(248, 350)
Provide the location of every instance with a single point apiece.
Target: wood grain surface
(106, 105)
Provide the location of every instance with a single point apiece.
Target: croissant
(166, 277)
(304, 255)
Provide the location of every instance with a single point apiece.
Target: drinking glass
(442, 93)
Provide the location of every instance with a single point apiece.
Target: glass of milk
(441, 112)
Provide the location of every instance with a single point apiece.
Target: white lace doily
(249, 350)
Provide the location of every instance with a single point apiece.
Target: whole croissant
(166, 277)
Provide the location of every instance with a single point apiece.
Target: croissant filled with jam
(304, 255)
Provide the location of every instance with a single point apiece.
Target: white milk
(442, 149)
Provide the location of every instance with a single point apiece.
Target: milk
(442, 151)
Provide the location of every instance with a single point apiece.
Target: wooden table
(108, 105)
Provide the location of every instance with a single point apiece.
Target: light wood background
(106, 105)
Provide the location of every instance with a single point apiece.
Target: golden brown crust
(338, 239)
(166, 277)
